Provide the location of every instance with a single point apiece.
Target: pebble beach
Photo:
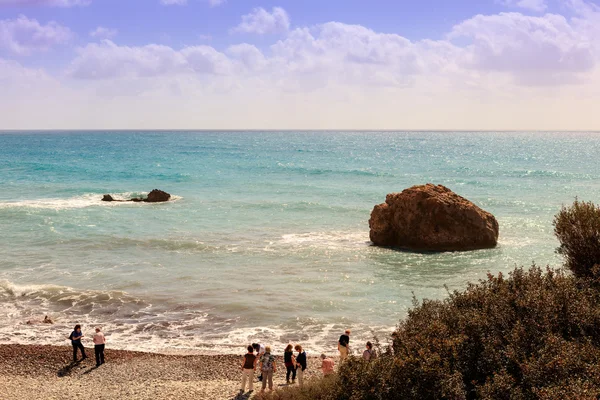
(46, 372)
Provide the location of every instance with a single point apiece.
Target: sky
(300, 64)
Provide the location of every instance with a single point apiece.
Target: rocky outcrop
(432, 218)
(155, 196)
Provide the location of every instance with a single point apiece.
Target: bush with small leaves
(533, 335)
(578, 230)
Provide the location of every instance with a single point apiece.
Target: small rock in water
(155, 196)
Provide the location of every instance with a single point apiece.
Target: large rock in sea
(432, 218)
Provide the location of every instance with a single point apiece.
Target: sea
(266, 238)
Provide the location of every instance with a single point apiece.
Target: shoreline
(46, 372)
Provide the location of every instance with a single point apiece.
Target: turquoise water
(267, 237)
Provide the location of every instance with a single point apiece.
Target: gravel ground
(46, 372)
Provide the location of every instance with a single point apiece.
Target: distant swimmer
(46, 320)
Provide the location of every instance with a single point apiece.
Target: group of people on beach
(295, 364)
(99, 344)
(257, 355)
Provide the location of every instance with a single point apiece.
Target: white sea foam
(135, 324)
(330, 239)
(83, 201)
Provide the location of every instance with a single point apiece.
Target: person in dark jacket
(290, 364)
(344, 345)
(75, 338)
(300, 364)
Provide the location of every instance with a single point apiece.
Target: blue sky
(428, 64)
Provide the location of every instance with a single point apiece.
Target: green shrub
(578, 230)
(533, 335)
(321, 389)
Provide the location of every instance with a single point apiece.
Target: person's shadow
(90, 370)
(243, 396)
(67, 369)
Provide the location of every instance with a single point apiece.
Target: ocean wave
(327, 239)
(155, 326)
(83, 201)
(168, 244)
(62, 298)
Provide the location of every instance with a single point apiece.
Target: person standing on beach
(268, 367)
(75, 338)
(344, 345)
(290, 363)
(301, 364)
(369, 354)
(248, 368)
(99, 342)
(327, 365)
(260, 350)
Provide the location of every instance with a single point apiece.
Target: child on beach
(290, 363)
(75, 338)
(99, 342)
(369, 354)
(301, 364)
(268, 367)
(260, 350)
(248, 368)
(327, 365)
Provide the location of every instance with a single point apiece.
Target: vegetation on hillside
(532, 335)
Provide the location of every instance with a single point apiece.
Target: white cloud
(49, 3)
(261, 22)
(106, 60)
(250, 56)
(542, 72)
(535, 50)
(215, 3)
(529, 50)
(533, 5)
(23, 36)
(104, 33)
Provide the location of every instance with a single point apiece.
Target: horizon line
(297, 130)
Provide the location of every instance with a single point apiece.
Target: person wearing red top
(327, 365)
